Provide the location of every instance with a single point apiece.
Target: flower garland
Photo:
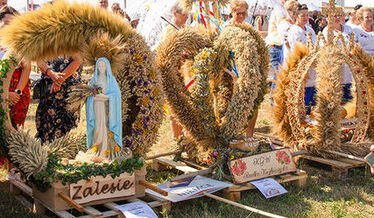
(200, 93)
(56, 171)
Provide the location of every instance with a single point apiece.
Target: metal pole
(27, 6)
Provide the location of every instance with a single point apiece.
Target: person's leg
(347, 94)
(251, 125)
(309, 98)
(176, 129)
(275, 59)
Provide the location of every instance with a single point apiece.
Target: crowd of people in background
(282, 28)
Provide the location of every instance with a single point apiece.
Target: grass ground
(323, 196)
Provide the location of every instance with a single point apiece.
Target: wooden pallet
(232, 193)
(23, 193)
(339, 167)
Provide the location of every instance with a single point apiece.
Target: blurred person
(103, 3)
(273, 38)
(18, 92)
(286, 24)
(3, 3)
(340, 28)
(180, 17)
(353, 21)
(322, 23)
(116, 8)
(313, 16)
(298, 34)
(365, 31)
(275, 41)
(53, 117)
(239, 11)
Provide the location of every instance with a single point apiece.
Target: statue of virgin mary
(103, 112)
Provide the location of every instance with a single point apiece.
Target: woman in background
(53, 117)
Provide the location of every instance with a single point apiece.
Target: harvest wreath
(94, 33)
(326, 135)
(217, 108)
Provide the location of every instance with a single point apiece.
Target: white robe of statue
(100, 136)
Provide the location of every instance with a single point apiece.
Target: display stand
(233, 193)
(26, 196)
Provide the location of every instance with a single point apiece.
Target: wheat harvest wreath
(326, 135)
(216, 109)
(92, 32)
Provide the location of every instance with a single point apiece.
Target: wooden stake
(71, 202)
(153, 188)
(346, 155)
(163, 155)
(251, 209)
(188, 175)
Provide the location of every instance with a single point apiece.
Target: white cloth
(296, 35)
(283, 28)
(366, 39)
(347, 31)
(351, 25)
(100, 136)
(277, 15)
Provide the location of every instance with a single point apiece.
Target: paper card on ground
(189, 188)
(137, 210)
(269, 187)
(370, 159)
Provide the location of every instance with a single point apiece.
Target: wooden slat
(333, 163)
(355, 163)
(154, 204)
(92, 211)
(109, 213)
(191, 164)
(111, 205)
(178, 166)
(188, 175)
(22, 186)
(22, 200)
(249, 186)
(64, 214)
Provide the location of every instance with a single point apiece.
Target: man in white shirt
(353, 22)
(273, 39)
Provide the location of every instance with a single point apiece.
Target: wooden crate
(233, 193)
(339, 168)
(24, 194)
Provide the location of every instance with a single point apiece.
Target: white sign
(269, 187)
(98, 188)
(189, 188)
(137, 209)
